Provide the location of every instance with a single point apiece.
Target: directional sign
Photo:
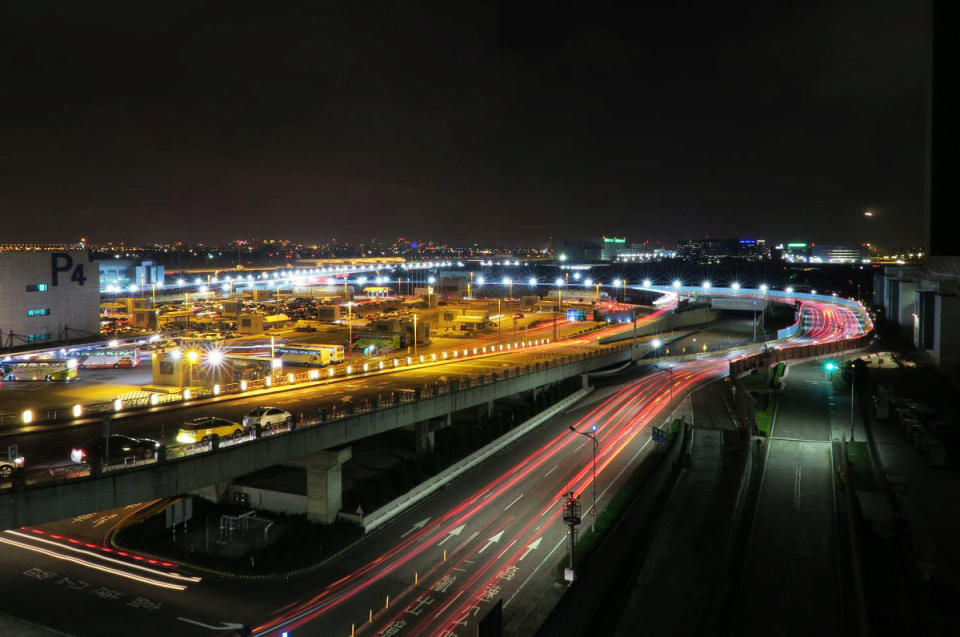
(417, 525)
(450, 534)
(493, 540)
(533, 546)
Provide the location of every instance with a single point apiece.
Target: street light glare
(656, 343)
(559, 281)
(763, 288)
(676, 283)
(706, 285)
(735, 285)
(646, 283)
(532, 280)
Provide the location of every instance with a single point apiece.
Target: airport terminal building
(48, 296)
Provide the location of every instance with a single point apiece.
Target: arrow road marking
(417, 525)
(493, 539)
(450, 534)
(531, 547)
(223, 626)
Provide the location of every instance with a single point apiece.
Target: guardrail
(289, 380)
(397, 506)
(35, 477)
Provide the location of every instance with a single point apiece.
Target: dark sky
(461, 120)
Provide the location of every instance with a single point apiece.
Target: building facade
(48, 296)
(707, 250)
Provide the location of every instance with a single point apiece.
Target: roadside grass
(632, 486)
(861, 475)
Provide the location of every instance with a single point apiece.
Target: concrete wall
(272, 500)
(58, 501)
(70, 303)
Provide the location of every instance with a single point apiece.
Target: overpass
(44, 500)
(48, 495)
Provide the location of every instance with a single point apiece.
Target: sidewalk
(675, 587)
(666, 589)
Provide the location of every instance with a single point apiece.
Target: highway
(499, 526)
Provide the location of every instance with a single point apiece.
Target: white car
(267, 416)
(7, 467)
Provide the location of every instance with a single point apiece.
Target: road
(499, 525)
(790, 579)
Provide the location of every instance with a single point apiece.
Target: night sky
(461, 121)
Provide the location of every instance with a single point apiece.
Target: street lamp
(593, 509)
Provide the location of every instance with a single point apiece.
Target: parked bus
(311, 355)
(62, 370)
(114, 357)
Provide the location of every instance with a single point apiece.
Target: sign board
(659, 436)
(178, 512)
(576, 315)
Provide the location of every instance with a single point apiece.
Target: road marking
(223, 625)
(97, 567)
(534, 571)
(517, 499)
(466, 541)
(551, 470)
(416, 525)
(796, 488)
(531, 547)
(491, 540)
(450, 534)
(507, 548)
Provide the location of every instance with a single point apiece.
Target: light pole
(414, 333)
(593, 509)
(499, 322)
(853, 380)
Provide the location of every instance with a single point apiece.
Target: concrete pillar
(324, 487)
(424, 438)
(490, 409)
(584, 381)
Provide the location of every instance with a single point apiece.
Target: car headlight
(186, 438)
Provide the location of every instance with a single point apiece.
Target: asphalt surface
(487, 521)
(43, 444)
(790, 581)
(499, 525)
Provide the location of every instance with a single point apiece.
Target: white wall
(71, 303)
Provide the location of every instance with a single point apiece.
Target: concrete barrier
(394, 508)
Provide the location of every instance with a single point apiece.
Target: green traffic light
(830, 366)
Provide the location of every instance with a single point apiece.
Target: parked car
(114, 449)
(202, 429)
(8, 466)
(266, 416)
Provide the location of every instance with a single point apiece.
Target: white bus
(50, 370)
(310, 355)
(112, 357)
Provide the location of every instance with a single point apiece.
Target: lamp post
(499, 322)
(349, 328)
(593, 509)
(414, 333)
